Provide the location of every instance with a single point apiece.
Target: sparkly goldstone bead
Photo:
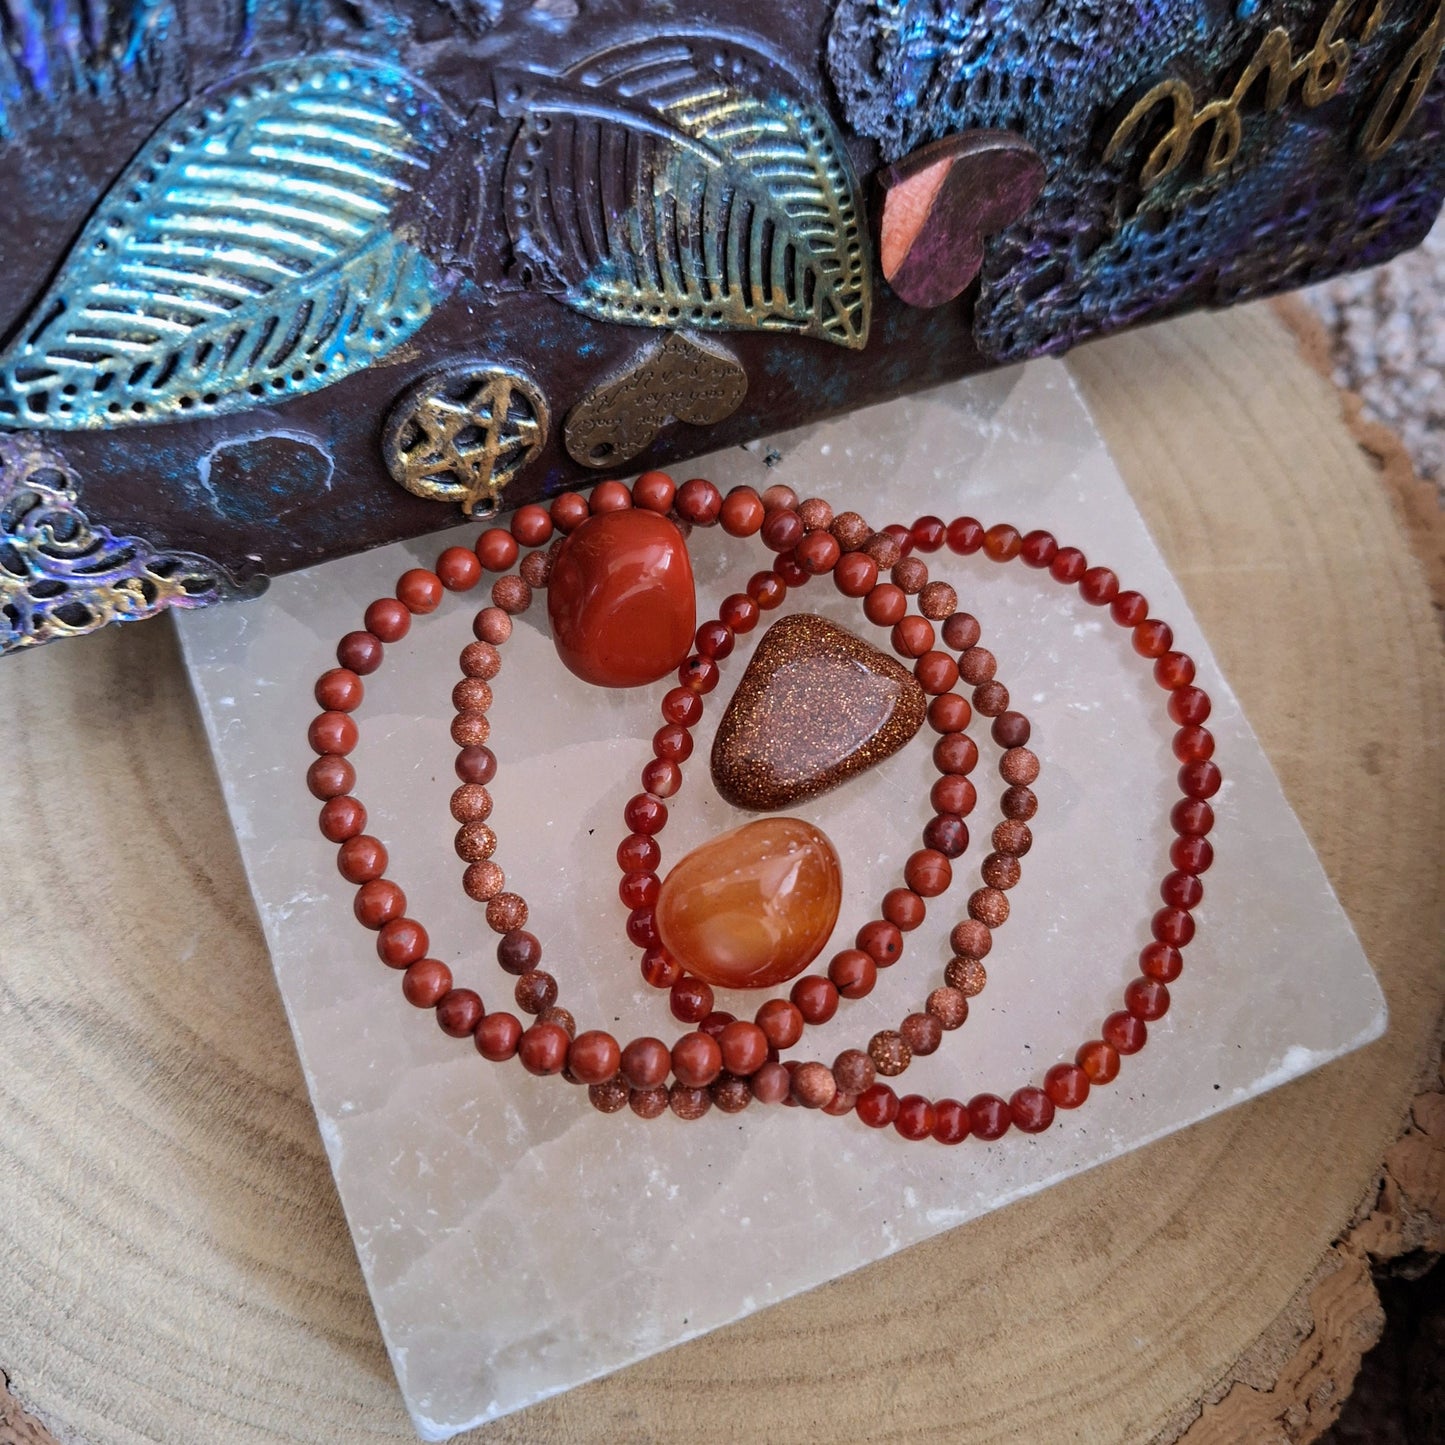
(889, 1053)
(815, 707)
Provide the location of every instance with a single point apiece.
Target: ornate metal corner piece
(681, 182)
(676, 379)
(462, 433)
(252, 251)
(62, 574)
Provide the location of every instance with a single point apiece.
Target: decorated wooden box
(287, 279)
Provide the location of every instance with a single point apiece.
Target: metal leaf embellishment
(62, 574)
(251, 251)
(682, 183)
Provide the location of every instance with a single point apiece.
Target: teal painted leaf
(252, 251)
(681, 182)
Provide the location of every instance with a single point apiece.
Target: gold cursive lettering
(1391, 113)
(1320, 75)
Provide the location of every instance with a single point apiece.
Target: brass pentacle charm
(461, 434)
(678, 379)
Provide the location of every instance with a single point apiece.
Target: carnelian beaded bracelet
(594, 1057)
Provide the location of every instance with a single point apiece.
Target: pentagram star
(467, 448)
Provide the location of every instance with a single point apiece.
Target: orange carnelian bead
(988, 1116)
(1153, 638)
(1189, 705)
(1161, 961)
(754, 906)
(1147, 999)
(877, 1107)
(1098, 585)
(1125, 1032)
(951, 1124)
(767, 589)
(1100, 1061)
(916, 1117)
(1174, 669)
(1038, 549)
(1191, 855)
(739, 612)
(1031, 1110)
(1068, 566)
(964, 535)
(927, 533)
(1129, 609)
(1001, 543)
(1174, 926)
(1067, 1085)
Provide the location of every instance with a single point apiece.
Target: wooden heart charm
(943, 200)
(678, 379)
(815, 707)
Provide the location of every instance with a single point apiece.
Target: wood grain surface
(175, 1266)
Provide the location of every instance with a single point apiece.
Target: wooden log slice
(175, 1266)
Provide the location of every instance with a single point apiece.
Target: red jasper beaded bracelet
(427, 982)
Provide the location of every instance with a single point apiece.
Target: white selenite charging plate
(516, 1242)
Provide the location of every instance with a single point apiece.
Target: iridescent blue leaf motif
(252, 251)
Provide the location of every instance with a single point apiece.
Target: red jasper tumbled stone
(621, 599)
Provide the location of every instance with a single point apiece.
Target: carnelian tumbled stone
(621, 599)
(754, 906)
